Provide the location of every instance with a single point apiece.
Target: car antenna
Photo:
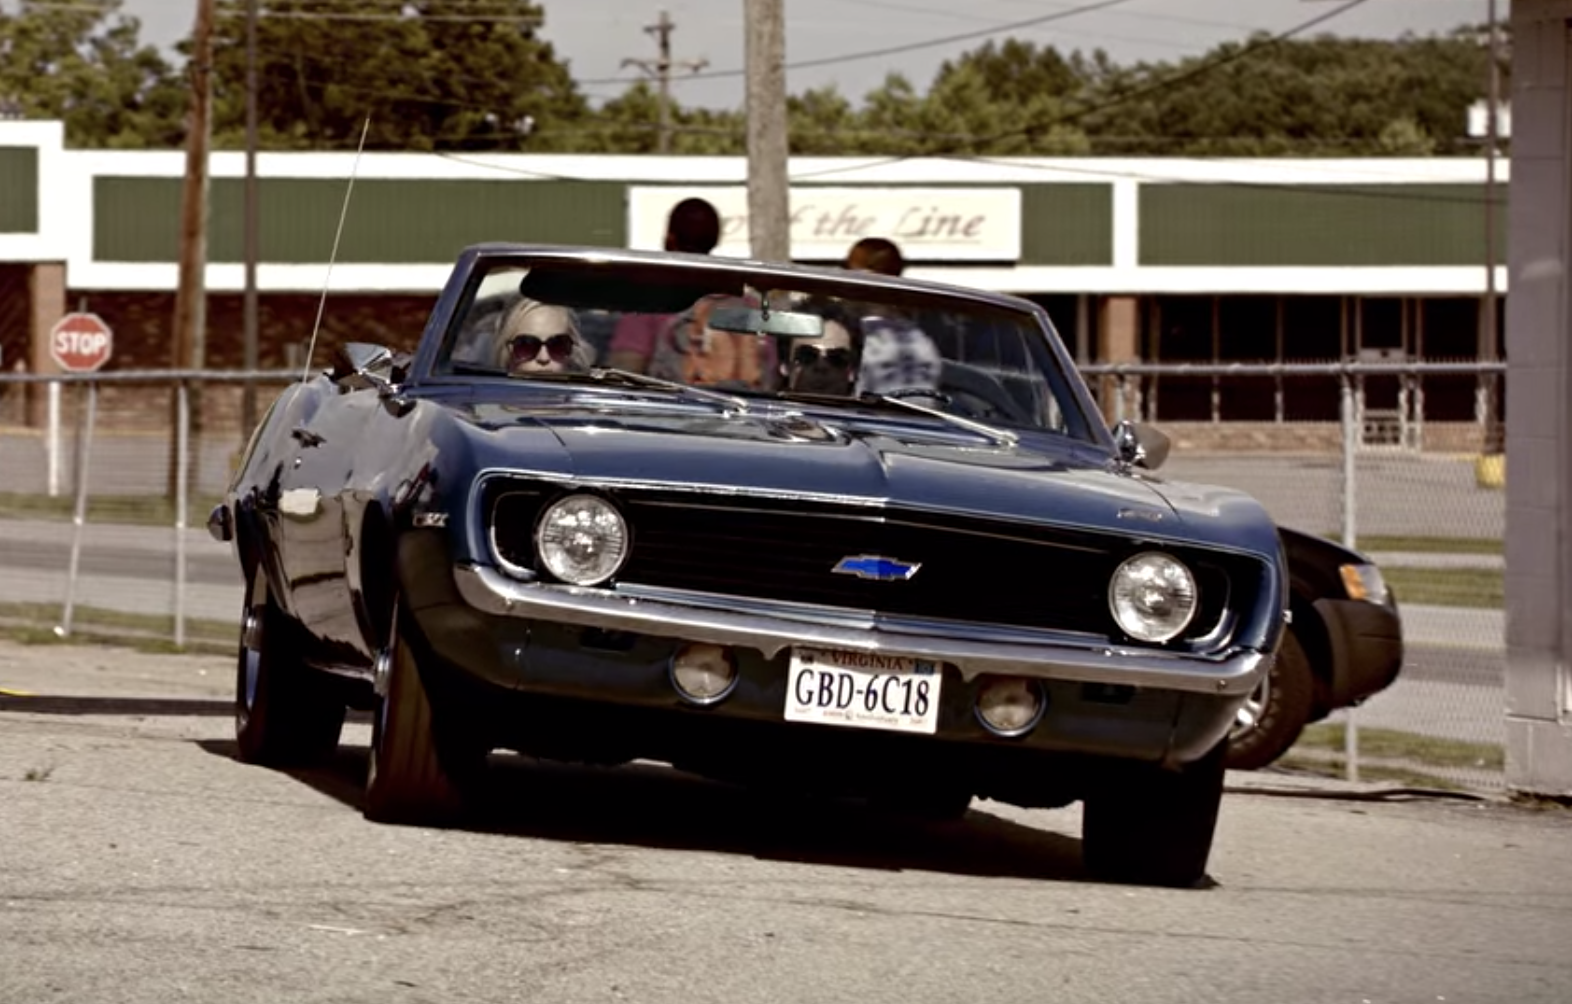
(333, 255)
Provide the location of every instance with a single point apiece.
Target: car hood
(890, 459)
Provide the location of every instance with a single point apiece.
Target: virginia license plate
(863, 690)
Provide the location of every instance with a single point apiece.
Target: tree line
(434, 75)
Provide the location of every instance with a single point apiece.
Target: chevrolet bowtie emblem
(871, 566)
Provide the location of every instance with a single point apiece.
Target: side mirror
(1141, 445)
(358, 365)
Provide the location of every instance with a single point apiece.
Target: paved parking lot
(144, 864)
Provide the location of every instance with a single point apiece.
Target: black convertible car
(848, 534)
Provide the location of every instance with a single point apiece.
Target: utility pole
(187, 350)
(661, 68)
(769, 215)
(248, 400)
(1487, 335)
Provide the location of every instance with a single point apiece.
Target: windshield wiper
(603, 375)
(1000, 436)
(645, 380)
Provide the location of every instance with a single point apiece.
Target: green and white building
(1154, 259)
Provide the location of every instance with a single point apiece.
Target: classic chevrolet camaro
(847, 534)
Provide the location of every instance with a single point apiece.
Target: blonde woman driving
(537, 337)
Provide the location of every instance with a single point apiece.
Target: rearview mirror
(752, 321)
(1141, 445)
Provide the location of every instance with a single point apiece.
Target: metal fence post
(1351, 437)
(52, 444)
(84, 443)
(182, 449)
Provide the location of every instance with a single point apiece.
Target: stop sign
(80, 343)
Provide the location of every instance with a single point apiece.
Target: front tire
(1153, 826)
(1281, 712)
(412, 776)
(286, 714)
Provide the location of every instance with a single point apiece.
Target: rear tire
(413, 777)
(286, 714)
(1290, 695)
(1153, 826)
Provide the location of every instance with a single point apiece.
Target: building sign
(929, 224)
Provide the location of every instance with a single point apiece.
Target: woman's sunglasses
(524, 348)
(807, 355)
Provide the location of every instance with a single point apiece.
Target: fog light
(703, 674)
(1009, 705)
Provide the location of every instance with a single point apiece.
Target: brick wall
(143, 324)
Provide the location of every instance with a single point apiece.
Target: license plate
(863, 690)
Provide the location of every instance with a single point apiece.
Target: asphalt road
(137, 563)
(142, 863)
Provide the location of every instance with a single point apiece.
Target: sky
(594, 36)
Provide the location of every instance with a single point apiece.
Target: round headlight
(582, 540)
(1152, 597)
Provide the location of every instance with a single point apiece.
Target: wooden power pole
(769, 214)
(248, 400)
(191, 295)
(661, 68)
(190, 322)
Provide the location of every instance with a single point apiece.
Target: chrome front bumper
(772, 627)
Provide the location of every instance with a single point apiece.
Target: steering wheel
(980, 395)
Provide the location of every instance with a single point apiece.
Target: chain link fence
(1358, 453)
(109, 478)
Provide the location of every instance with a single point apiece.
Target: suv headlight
(582, 540)
(1152, 597)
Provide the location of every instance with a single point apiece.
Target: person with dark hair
(826, 364)
(693, 227)
(897, 355)
(876, 254)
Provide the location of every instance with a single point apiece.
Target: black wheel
(413, 776)
(1276, 713)
(1154, 826)
(285, 712)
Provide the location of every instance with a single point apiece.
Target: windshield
(756, 336)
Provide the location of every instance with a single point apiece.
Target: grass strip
(1483, 588)
(1394, 744)
(134, 510)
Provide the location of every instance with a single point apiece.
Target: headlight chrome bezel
(554, 567)
(1144, 632)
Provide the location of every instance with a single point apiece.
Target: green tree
(1313, 97)
(630, 123)
(84, 65)
(430, 74)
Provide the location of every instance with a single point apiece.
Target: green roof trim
(390, 221)
(1220, 224)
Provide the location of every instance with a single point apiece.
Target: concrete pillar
(1118, 341)
(1539, 437)
(47, 304)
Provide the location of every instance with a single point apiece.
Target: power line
(1134, 94)
(896, 50)
(660, 68)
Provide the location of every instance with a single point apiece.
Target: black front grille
(969, 570)
(784, 555)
